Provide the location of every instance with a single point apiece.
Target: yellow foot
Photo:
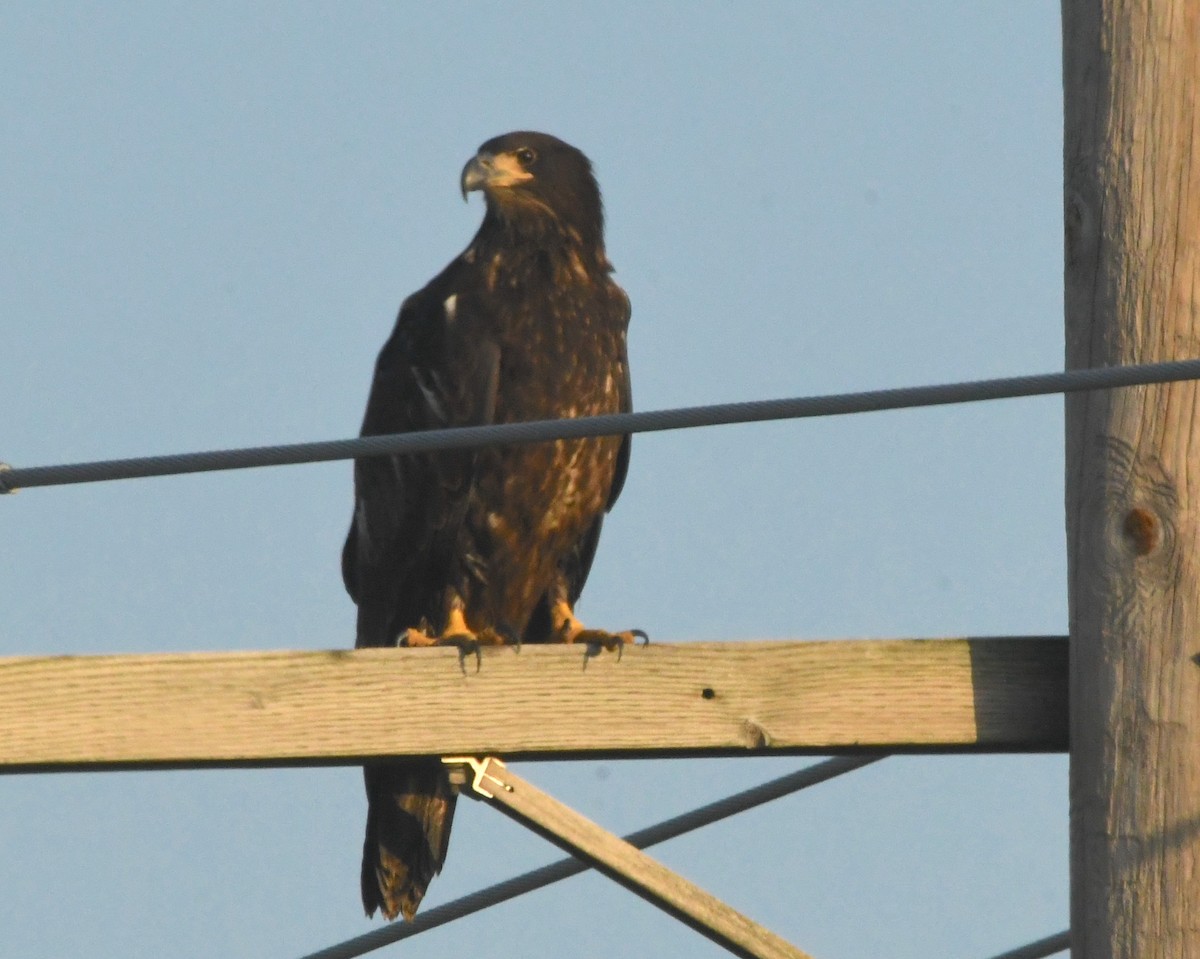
(458, 634)
(571, 630)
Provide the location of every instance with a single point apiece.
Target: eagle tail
(410, 807)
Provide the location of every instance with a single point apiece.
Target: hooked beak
(492, 172)
(476, 173)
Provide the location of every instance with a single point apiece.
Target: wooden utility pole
(1131, 78)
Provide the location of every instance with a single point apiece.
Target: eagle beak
(492, 172)
(476, 173)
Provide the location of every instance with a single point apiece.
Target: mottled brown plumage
(525, 324)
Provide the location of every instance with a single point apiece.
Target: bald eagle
(493, 544)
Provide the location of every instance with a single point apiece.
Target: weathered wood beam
(341, 707)
(489, 780)
(1131, 80)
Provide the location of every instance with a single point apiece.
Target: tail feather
(410, 808)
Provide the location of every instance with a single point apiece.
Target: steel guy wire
(564, 868)
(539, 431)
(1060, 942)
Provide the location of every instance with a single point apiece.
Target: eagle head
(535, 181)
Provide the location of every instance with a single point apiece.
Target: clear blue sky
(209, 215)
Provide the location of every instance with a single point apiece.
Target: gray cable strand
(564, 868)
(1040, 949)
(755, 411)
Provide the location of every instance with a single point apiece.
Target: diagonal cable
(564, 868)
(1060, 942)
(756, 411)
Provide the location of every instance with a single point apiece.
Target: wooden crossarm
(546, 702)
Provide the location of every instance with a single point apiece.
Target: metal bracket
(482, 769)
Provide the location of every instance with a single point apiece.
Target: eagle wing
(624, 312)
(577, 565)
(408, 508)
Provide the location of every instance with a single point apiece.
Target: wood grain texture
(1132, 205)
(633, 869)
(303, 708)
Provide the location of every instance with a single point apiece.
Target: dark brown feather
(526, 324)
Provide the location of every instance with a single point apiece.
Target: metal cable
(1040, 949)
(755, 411)
(564, 868)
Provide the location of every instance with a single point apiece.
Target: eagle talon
(598, 639)
(416, 637)
(466, 644)
(509, 635)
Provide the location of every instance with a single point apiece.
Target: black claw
(510, 635)
(466, 644)
(642, 635)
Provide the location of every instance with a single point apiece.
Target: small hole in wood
(707, 692)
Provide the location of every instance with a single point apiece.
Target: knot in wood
(1142, 509)
(1143, 530)
(755, 736)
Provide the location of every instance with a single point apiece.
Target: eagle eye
(525, 156)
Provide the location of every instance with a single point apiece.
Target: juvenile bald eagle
(494, 544)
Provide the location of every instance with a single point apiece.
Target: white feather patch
(362, 527)
(430, 386)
